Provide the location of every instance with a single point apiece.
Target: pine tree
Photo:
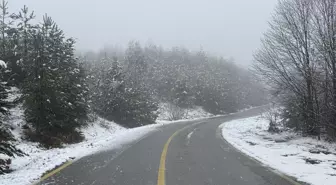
(135, 108)
(23, 43)
(54, 91)
(180, 95)
(119, 93)
(137, 67)
(5, 23)
(106, 89)
(8, 42)
(73, 90)
(139, 107)
(6, 138)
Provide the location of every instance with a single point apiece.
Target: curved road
(187, 153)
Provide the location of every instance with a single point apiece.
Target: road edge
(65, 164)
(290, 179)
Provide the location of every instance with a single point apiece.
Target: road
(187, 153)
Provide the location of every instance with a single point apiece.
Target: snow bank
(15, 118)
(307, 159)
(197, 112)
(166, 110)
(101, 135)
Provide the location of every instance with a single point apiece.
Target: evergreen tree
(5, 23)
(119, 90)
(8, 42)
(54, 91)
(22, 38)
(119, 100)
(106, 88)
(183, 79)
(138, 104)
(137, 67)
(134, 108)
(6, 138)
(180, 95)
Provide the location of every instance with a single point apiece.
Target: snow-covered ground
(306, 159)
(168, 111)
(99, 135)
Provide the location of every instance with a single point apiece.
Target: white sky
(231, 28)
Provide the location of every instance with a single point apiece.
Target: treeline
(61, 91)
(40, 61)
(298, 59)
(176, 76)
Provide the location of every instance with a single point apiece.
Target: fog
(231, 28)
(57, 96)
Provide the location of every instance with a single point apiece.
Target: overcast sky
(231, 28)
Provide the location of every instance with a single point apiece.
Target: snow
(3, 64)
(286, 152)
(4, 157)
(15, 118)
(166, 109)
(197, 112)
(99, 136)
(190, 134)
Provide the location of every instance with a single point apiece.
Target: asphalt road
(196, 155)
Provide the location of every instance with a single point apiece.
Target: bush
(132, 108)
(4, 165)
(52, 139)
(273, 117)
(175, 112)
(8, 149)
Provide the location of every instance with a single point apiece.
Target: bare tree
(287, 58)
(324, 18)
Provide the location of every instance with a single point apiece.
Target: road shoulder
(283, 153)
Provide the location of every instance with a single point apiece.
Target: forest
(62, 89)
(297, 60)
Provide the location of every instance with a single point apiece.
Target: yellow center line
(161, 173)
(162, 168)
(46, 176)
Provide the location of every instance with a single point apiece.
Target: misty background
(228, 28)
(130, 62)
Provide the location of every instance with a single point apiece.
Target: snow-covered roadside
(166, 122)
(166, 110)
(99, 137)
(306, 159)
